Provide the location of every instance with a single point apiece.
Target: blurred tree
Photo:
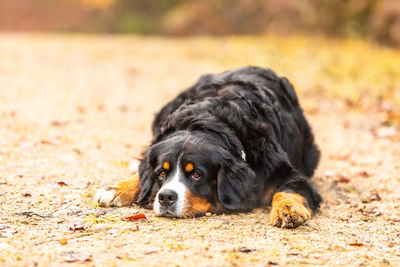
(379, 19)
(386, 22)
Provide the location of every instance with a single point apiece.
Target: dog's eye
(196, 175)
(162, 174)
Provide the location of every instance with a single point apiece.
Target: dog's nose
(167, 197)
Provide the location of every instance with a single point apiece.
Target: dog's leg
(123, 193)
(294, 202)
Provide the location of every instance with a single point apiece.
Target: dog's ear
(146, 176)
(236, 185)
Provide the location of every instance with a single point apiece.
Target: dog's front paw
(108, 197)
(124, 193)
(289, 210)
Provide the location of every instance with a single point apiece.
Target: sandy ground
(75, 111)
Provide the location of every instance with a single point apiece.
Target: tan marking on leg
(196, 205)
(289, 210)
(127, 190)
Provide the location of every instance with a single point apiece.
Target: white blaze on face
(177, 186)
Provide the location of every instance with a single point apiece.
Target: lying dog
(231, 143)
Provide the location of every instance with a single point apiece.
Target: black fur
(249, 109)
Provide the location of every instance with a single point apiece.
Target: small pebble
(63, 241)
(208, 214)
(330, 173)
(395, 218)
(369, 209)
(375, 196)
(384, 262)
(365, 198)
(365, 218)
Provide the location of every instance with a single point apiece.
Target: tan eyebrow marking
(166, 165)
(189, 167)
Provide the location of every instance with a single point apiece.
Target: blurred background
(81, 80)
(377, 20)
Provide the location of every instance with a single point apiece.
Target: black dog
(232, 142)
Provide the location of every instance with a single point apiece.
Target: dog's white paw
(107, 197)
(122, 194)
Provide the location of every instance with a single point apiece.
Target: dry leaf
(46, 142)
(363, 174)
(61, 183)
(339, 157)
(343, 179)
(77, 227)
(59, 123)
(356, 244)
(246, 250)
(3, 226)
(26, 194)
(136, 217)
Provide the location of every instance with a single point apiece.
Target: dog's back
(267, 97)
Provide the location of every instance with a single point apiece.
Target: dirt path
(76, 110)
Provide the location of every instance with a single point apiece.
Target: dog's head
(191, 173)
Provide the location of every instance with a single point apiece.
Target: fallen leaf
(123, 108)
(339, 157)
(61, 183)
(135, 217)
(26, 194)
(343, 179)
(31, 213)
(246, 250)
(363, 174)
(81, 109)
(3, 226)
(46, 142)
(150, 251)
(356, 244)
(77, 227)
(77, 151)
(59, 123)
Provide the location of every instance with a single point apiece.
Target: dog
(232, 142)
